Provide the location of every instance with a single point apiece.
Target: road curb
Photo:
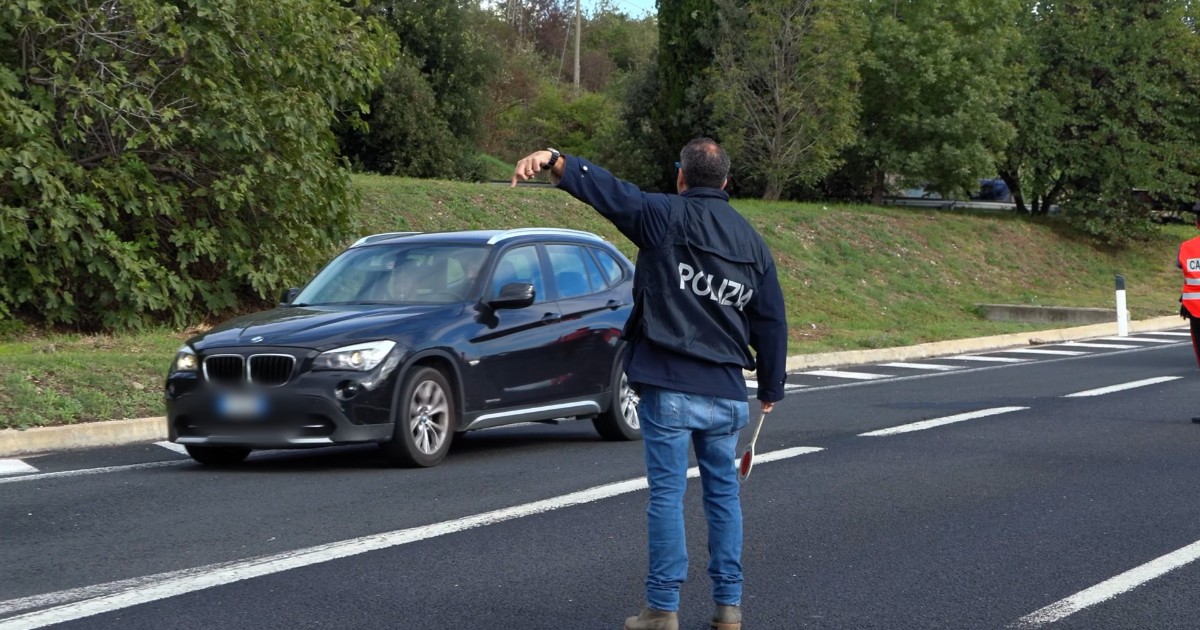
(141, 430)
(84, 435)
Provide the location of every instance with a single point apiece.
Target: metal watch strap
(554, 155)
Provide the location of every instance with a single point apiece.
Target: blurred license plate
(241, 406)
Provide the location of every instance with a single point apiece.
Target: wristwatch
(554, 155)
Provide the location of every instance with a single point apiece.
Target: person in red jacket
(1188, 260)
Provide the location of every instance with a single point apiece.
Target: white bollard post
(1122, 315)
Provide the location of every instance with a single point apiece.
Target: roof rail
(506, 234)
(366, 240)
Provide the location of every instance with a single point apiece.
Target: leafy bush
(160, 160)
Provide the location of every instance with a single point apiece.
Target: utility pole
(578, 28)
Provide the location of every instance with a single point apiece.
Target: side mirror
(513, 295)
(288, 296)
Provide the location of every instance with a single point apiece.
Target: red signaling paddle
(747, 460)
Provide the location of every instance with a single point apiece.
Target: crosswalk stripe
(171, 446)
(1083, 344)
(937, 367)
(971, 357)
(1065, 353)
(15, 467)
(859, 376)
(1141, 339)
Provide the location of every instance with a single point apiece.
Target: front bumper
(304, 413)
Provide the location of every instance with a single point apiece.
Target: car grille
(271, 370)
(266, 370)
(224, 369)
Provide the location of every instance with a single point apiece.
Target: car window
(519, 265)
(573, 270)
(613, 271)
(393, 274)
(595, 276)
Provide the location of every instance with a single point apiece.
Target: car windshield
(396, 274)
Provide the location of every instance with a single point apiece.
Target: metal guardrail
(948, 204)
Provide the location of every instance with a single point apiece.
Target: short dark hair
(705, 164)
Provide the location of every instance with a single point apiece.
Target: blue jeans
(670, 421)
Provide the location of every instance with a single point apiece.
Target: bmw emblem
(257, 339)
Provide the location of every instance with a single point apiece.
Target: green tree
(444, 40)
(936, 84)
(1110, 105)
(164, 161)
(786, 91)
(687, 36)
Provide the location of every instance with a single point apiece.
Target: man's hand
(532, 164)
(767, 406)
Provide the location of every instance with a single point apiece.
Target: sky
(635, 8)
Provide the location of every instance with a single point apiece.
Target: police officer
(705, 293)
(1188, 260)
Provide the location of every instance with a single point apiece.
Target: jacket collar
(702, 192)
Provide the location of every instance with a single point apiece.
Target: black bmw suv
(407, 339)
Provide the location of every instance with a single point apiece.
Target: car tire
(425, 420)
(620, 421)
(218, 455)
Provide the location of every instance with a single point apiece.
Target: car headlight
(185, 360)
(360, 357)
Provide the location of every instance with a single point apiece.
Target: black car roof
(482, 237)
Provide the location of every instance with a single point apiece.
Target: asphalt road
(1014, 505)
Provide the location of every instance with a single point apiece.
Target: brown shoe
(651, 619)
(727, 618)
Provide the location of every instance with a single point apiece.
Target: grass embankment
(854, 277)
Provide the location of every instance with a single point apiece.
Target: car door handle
(615, 304)
(550, 317)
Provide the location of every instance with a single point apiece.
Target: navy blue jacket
(693, 342)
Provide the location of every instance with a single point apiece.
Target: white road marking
(1084, 344)
(936, 367)
(15, 467)
(858, 376)
(1065, 353)
(171, 446)
(937, 422)
(95, 471)
(1142, 339)
(1170, 333)
(972, 357)
(80, 603)
(786, 387)
(1123, 386)
(1110, 588)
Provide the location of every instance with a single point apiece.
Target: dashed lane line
(81, 603)
(857, 376)
(1109, 588)
(94, 471)
(1123, 386)
(937, 422)
(15, 467)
